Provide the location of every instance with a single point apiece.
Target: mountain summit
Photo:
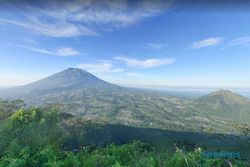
(224, 103)
(69, 80)
(225, 97)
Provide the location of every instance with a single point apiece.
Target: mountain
(224, 103)
(82, 94)
(64, 80)
(66, 87)
(71, 77)
(225, 97)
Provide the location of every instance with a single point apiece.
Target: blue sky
(128, 43)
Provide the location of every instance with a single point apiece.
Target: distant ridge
(225, 96)
(224, 103)
(80, 93)
(67, 78)
(71, 78)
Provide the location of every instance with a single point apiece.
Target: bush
(35, 137)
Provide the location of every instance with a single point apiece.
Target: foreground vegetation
(36, 137)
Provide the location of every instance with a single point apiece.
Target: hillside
(224, 103)
(226, 97)
(82, 94)
(67, 80)
(40, 137)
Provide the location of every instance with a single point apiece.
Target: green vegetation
(41, 137)
(227, 104)
(9, 107)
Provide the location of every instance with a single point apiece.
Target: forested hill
(43, 137)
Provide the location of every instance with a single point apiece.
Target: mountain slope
(225, 97)
(224, 103)
(67, 79)
(81, 93)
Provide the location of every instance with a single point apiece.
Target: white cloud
(207, 42)
(147, 63)
(55, 29)
(61, 51)
(157, 46)
(101, 67)
(77, 18)
(237, 42)
(65, 51)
